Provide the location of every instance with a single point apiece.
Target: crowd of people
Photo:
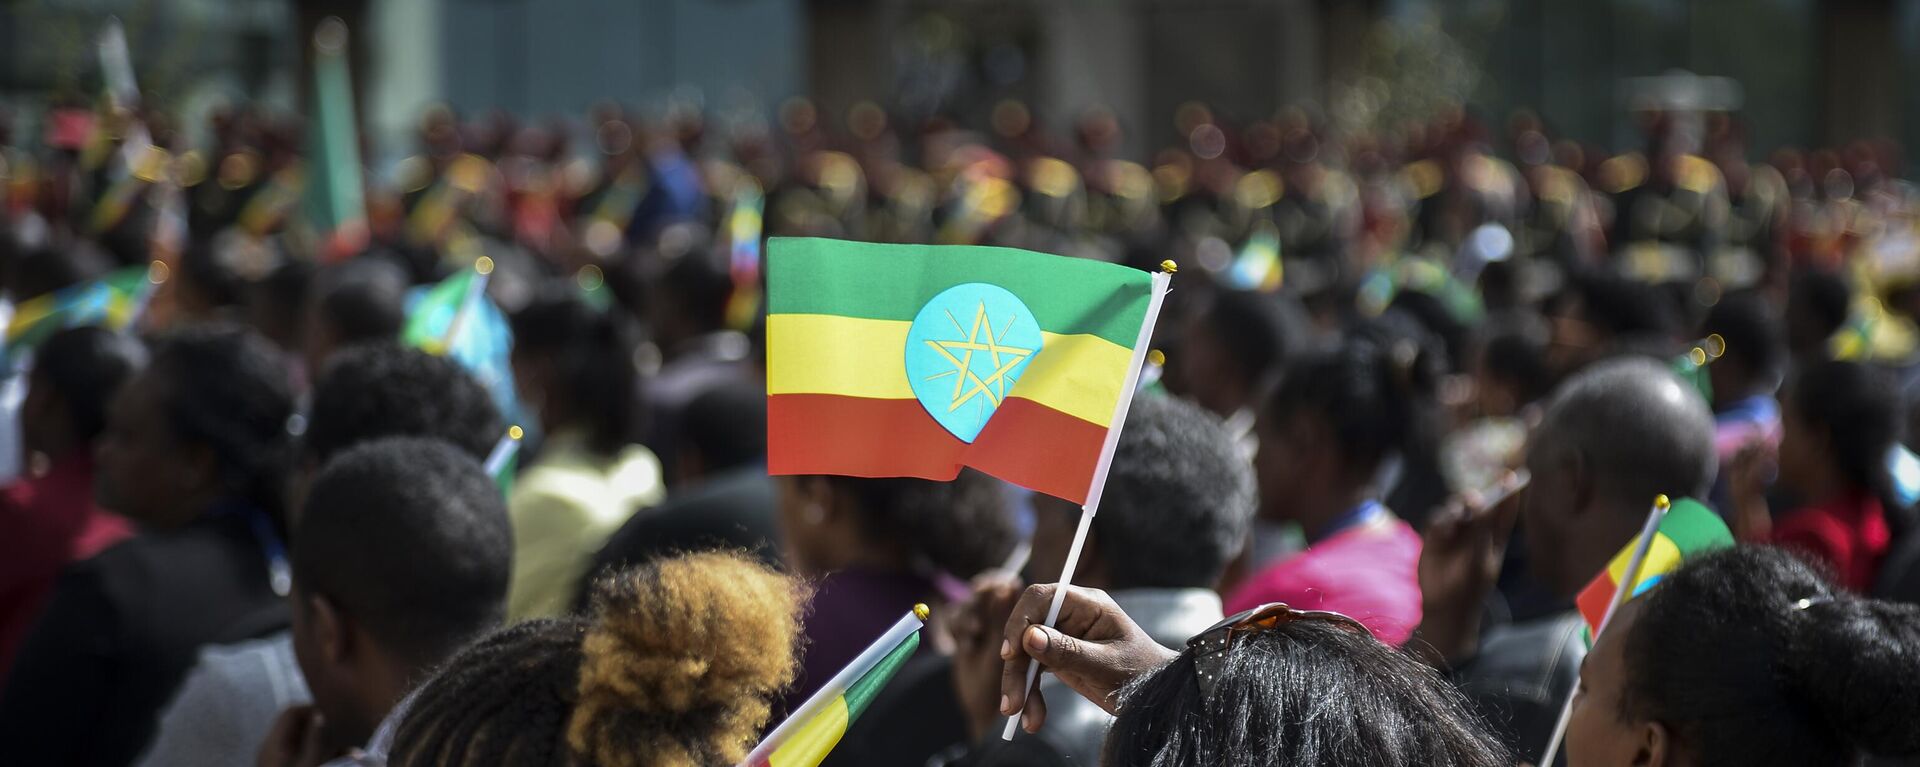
(1410, 393)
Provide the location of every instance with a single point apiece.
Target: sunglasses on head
(1210, 647)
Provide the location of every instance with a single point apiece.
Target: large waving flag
(917, 360)
(1688, 530)
(806, 737)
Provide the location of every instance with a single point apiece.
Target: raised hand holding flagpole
(1092, 506)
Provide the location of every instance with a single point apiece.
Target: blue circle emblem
(966, 350)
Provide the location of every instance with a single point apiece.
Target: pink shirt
(1370, 573)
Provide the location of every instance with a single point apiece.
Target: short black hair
(410, 537)
(87, 365)
(727, 424)
(45, 269)
(1302, 692)
(699, 286)
(963, 526)
(387, 389)
(363, 299)
(1727, 655)
(1375, 391)
(1752, 330)
(592, 354)
(1178, 501)
(1642, 431)
(227, 388)
(1256, 330)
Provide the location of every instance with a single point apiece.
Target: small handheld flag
(743, 231)
(1673, 533)
(455, 318)
(499, 463)
(1258, 267)
(807, 736)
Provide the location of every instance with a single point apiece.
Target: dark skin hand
(1094, 648)
(1460, 559)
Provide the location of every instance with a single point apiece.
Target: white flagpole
(1092, 506)
(503, 451)
(1621, 594)
(838, 685)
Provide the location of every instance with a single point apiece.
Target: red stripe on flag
(1025, 443)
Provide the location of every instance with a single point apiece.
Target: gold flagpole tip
(1661, 502)
(515, 433)
(920, 611)
(483, 265)
(158, 272)
(1156, 357)
(1169, 266)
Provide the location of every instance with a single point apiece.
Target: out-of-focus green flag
(335, 199)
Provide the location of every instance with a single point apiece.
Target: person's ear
(1655, 747)
(332, 637)
(1580, 481)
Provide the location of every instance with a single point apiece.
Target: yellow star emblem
(968, 384)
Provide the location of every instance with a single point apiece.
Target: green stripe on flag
(862, 692)
(891, 282)
(1694, 528)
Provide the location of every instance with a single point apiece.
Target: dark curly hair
(385, 389)
(1178, 500)
(677, 666)
(961, 527)
(227, 388)
(1725, 655)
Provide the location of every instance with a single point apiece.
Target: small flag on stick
(500, 461)
(743, 231)
(806, 737)
(1673, 533)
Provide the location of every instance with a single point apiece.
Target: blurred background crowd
(320, 295)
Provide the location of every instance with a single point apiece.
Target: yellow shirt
(563, 508)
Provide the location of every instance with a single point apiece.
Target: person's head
(1818, 303)
(1613, 437)
(1748, 656)
(1235, 348)
(207, 284)
(722, 429)
(687, 299)
(574, 365)
(1337, 418)
(75, 374)
(1176, 508)
(43, 270)
(1837, 424)
(357, 301)
(401, 557)
(386, 389)
(276, 306)
(205, 422)
(1510, 372)
(1599, 315)
(677, 664)
(1309, 690)
(960, 527)
(1755, 347)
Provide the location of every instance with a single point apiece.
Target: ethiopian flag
(805, 739)
(917, 360)
(1688, 530)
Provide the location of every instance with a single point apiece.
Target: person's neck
(1315, 515)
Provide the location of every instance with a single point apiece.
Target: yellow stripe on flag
(1662, 557)
(812, 743)
(1078, 374)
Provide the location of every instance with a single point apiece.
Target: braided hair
(676, 666)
